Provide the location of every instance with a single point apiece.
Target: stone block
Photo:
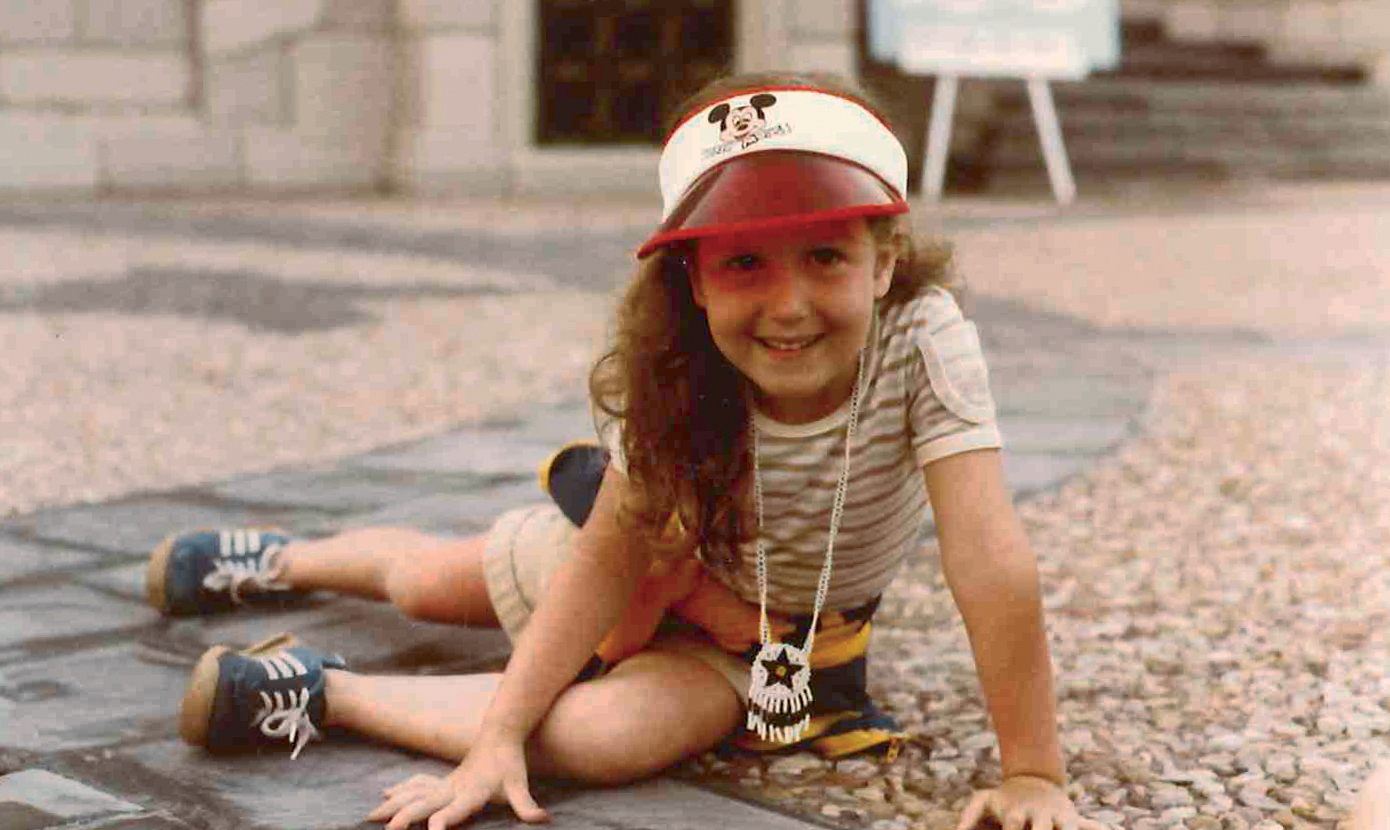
(287, 159)
(451, 514)
(342, 87)
(458, 86)
(586, 172)
(126, 581)
(507, 452)
(71, 702)
(835, 57)
(1312, 23)
(72, 76)
(133, 22)
(24, 21)
(152, 160)
(236, 24)
(135, 527)
(1085, 437)
(1143, 9)
(1367, 25)
(371, 636)
(348, 490)
(1029, 472)
(248, 86)
(661, 802)
(359, 14)
(69, 611)
(1193, 20)
(20, 559)
(447, 14)
(38, 153)
(827, 19)
(59, 796)
(441, 161)
(331, 785)
(1248, 21)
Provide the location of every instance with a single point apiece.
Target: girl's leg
(651, 711)
(426, 577)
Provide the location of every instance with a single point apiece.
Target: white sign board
(1063, 39)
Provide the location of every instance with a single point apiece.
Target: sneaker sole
(195, 715)
(154, 576)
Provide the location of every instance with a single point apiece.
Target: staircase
(1183, 112)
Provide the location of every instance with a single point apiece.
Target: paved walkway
(90, 678)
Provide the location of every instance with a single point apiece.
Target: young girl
(788, 386)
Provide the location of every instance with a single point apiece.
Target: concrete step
(1126, 95)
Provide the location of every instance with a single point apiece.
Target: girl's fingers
(456, 811)
(417, 809)
(526, 808)
(412, 781)
(1016, 819)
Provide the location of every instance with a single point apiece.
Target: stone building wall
(410, 96)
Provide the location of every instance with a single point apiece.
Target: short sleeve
(950, 405)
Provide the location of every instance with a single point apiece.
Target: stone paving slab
(65, 611)
(88, 698)
(135, 526)
(370, 636)
(57, 797)
(330, 489)
(21, 559)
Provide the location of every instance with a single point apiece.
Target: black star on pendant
(780, 670)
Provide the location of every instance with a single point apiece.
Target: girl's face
(791, 309)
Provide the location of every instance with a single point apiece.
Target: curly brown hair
(679, 402)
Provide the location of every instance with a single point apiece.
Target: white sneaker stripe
(272, 668)
(299, 667)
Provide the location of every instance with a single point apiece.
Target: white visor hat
(776, 157)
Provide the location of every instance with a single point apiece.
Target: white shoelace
(285, 715)
(281, 717)
(232, 575)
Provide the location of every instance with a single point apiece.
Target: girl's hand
(494, 771)
(1026, 800)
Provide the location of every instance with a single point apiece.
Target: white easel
(943, 107)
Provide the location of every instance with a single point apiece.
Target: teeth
(789, 344)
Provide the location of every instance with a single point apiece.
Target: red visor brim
(775, 189)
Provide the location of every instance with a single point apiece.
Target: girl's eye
(827, 256)
(742, 262)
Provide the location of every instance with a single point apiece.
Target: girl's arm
(993, 577)
(586, 597)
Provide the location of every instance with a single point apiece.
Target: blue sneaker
(214, 570)
(269, 692)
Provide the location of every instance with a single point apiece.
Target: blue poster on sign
(981, 38)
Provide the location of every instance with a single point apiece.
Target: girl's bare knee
(654, 710)
(443, 584)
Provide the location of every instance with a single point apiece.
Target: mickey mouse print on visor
(771, 158)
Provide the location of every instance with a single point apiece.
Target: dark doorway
(611, 71)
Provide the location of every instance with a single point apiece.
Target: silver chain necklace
(779, 696)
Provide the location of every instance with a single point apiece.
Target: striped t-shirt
(926, 396)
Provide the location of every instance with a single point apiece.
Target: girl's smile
(791, 309)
